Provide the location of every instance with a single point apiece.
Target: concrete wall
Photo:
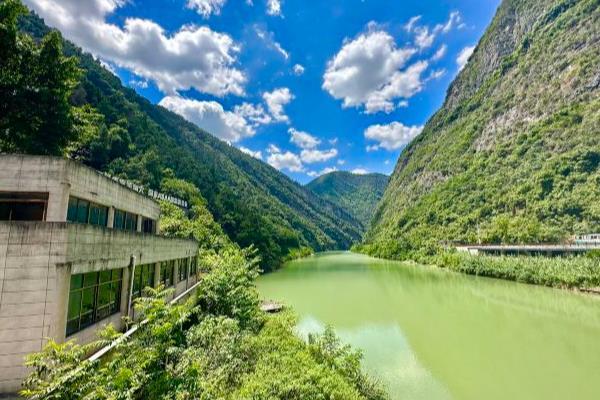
(60, 178)
(36, 262)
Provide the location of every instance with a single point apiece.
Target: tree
(36, 81)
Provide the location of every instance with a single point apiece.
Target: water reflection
(428, 333)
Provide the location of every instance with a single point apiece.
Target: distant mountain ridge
(358, 194)
(513, 155)
(253, 202)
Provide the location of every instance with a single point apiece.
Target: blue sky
(308, 86)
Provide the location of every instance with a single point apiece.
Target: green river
(431, 334)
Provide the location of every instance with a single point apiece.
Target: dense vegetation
(562, 272)
(218, 345)
(513, 156)
(357, 194)
(111, 128)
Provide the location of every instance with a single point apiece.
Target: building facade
(75, 248)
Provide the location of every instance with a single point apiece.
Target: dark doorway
(23, 206)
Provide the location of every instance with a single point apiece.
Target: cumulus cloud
(310, 156)
(424, 38)
(192, 57)
(276, 100)
(367, 71)
(298, 69)
(206, 7)
(359, 171)
(274, 7)
(391, 136)
(463, 56)
(210, 116)
(288, 161)
(256, 114)
(255, 154)
(303, 140)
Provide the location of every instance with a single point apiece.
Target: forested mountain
(357, 194)
(126, 135)
(513, 155)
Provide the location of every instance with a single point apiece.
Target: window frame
(88, 288)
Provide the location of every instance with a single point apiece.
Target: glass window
(92, 297)
(125, 221)
(183, 269)
(84, 212)
(193, 266)
(167, 272)
(143, 278)
(148, 225)
(23, 206)
(119, 222)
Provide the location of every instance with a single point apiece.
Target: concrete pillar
(156, 274)
(139, 223)
(63, 286)
(125, 290)
(110, 221)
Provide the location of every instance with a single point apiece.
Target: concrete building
(75, 247)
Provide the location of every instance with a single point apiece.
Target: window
(143, 278)
(23, 206)
(125, 221)
(85, 212)
(183, 269)
(167, 273)
(148, 225)
(93, 296)
(193, 266)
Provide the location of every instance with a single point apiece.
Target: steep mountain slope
(357, 194)
(254, 203)
(513, 154)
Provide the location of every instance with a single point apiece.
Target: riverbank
(578, 273)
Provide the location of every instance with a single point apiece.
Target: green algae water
(431, 334)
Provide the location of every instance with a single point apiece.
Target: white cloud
(255, 154)
(269, 38)
(333, 141)
(298, 69)
(391, 136)
(424, 38)
(210, 116)
(440, 53)
(454, 20)
(412, 23)
(253, 113)
(303, 140)
(324, 171)
(274, 7)
(276, 100)
(287, 160)
(310, 156)
(273, 149)
(359, 171)
(341, 162)
(367, 71)
(463, 56)
(206, 7)
(402, 104)
(192, 57)
(437, 74)
(142, 84)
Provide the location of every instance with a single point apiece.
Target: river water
(431, 334)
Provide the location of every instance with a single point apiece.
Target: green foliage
(302, 252)
(36, 81)
(513, 156)
(567, 272)
(357, 194)
(219, 347)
